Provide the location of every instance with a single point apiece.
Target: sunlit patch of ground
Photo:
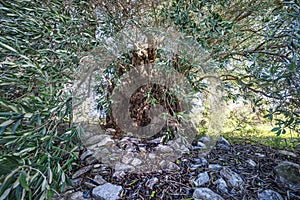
(263, 135)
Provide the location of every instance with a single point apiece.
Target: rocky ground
(131, 168)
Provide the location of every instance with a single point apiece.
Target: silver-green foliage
(256, 44)
(40, 45)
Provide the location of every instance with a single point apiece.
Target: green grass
(262, 134)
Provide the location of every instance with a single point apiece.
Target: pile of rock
(211, 180)
(130, 154)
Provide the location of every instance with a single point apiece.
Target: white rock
(152, 182)
(86, 154)
(260, 155)
(76, 196)
(289, 174)
(99, 180)
(204, 139)
(202, 179)
(287, 153)
(222, 140)
(206, 194)
(96, 139)
(234, 179)
(173, 167)
(82, 171)
(136, 162)
(107, 191)
(123, 167)
(151, 156)
(221, 184)
(215, 167)
(164, 149)
(269, 195)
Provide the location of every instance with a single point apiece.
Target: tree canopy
(254, 45)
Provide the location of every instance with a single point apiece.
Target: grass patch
(262, 134)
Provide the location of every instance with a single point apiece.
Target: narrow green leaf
(8, 47)
(275, 129)
(23, 181)
(24, 151)
(28, 115)
(6, 123)
(44, 184)
(63, 177)
(15, 126)
(5, 194)
(278, 132)
(2, 129)
(50, 175)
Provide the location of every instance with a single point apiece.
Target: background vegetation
(255, 45)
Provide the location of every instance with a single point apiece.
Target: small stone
(76, 196)
(143, 149)
(97, 166)
(129, 134)
(95, 139)
(107, 191)
(164, 149)
(107, 141)
(232, 192)
(269, 195)
(152, 182)
(119, 174)
(151, 156)
(289, 174)
(221, 185)
(200, 144)
(163, 164)
(86, 154)
(196, 148)
(287, 153)
(202, 179)
(234, 179)
(136, 162)
(99, 180)
(82, 171)
(127, 158)
(173, 167)
(204, 139)
(99, 141)
(111, 130)
(251, 163)
(195, 166)
(222, 140)
(215, 167)
(202, 161)
(205, 194)
(260, 155)
(123, 167)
